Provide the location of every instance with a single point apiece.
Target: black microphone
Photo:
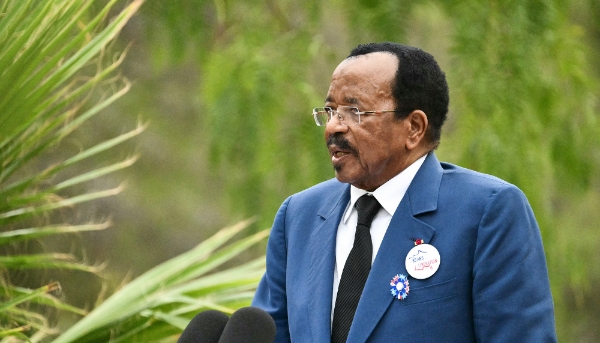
(249, 325)
(205, 327)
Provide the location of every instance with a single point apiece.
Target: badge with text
(422, 261)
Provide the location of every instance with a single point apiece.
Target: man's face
(369, 154)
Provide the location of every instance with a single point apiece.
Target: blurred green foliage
(58, 72)
(228, 86)
(159, 304)
(55, 75)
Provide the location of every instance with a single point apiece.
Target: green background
(227, 89)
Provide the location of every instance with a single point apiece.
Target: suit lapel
(322, 264)
(399, 238)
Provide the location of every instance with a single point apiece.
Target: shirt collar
(390, 193)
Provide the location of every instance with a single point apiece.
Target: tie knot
(367, 207)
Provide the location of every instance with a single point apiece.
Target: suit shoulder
(320, 191)
(321, 197)
(468, 177)
(463, 183)
(317, 196)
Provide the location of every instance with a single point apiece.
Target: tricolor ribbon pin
(399, 287)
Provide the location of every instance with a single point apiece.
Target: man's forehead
(381, 60)
(363, 75)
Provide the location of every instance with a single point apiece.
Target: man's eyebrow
(351, 101)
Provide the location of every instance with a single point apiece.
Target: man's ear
(417, 127)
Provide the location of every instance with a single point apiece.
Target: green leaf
(166, 282)
(10, 237)
(45, 261)
(26, 297)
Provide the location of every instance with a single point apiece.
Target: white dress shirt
(389, 196)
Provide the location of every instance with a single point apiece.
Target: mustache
(338, 140)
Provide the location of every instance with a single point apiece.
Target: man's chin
(339, 175)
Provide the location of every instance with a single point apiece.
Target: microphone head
(205, 327)
(249, 324)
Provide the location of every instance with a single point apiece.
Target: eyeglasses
(346, 115)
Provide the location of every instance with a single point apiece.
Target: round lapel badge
(422, 261)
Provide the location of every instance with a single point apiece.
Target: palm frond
(11, 237)
(159, 303)
(56, 73)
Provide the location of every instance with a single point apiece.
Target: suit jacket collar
(404, 228)
(322, 264)
(423, 191)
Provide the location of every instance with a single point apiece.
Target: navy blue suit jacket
(491, 286)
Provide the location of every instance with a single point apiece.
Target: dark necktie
(356, 270)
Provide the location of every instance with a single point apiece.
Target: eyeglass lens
(347, 115)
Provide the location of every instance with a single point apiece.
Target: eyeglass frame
(341, 118)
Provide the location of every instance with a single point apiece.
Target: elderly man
(401, 247)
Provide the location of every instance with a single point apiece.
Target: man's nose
(334, 125)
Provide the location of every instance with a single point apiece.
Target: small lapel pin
(399, 287)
